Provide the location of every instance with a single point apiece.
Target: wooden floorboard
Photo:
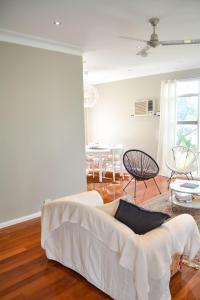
(26, 273)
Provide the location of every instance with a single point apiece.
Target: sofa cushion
(111, 207)
(140, 220)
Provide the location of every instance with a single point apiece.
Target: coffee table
(176, 187)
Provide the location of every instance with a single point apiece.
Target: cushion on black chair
(140, 220)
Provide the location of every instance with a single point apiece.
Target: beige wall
(41, 128)
(110, 122)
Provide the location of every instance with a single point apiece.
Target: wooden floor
(25, 272)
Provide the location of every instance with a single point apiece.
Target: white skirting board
(20, 220)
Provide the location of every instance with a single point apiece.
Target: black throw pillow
(140, 220)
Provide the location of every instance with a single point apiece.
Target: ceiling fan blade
(143, 51)
(180, 42)
(132, 39)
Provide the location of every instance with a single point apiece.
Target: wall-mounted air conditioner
(144, 107)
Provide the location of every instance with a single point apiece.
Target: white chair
(114, 161)
(90, 164)
(96, 154)
(182, 161)
(92, 161)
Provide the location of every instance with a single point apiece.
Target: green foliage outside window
(187, 138)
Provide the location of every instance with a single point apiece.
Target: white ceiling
(95, 26)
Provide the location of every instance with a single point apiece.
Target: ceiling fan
(155, 42)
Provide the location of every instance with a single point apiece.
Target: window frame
(197, 123)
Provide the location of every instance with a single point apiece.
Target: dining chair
(114, 161)
(96, 155)
(90, 165)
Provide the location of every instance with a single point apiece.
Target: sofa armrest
(91, 198)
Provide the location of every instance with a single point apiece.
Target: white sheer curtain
(167, 131)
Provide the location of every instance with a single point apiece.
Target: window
(187, 113)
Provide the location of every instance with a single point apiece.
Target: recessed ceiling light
(187, 41)
(57, 23)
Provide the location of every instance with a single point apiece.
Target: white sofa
(81, 233)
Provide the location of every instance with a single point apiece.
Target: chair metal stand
(170, 178)
(135, 186)
(135, 190)
(157, 186)
(173, 173)
(187, 177)
(145, 184)
(128, 183)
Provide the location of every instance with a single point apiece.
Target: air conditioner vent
(140, 108)
(144, 107)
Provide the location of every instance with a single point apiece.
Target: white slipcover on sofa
(80, 232)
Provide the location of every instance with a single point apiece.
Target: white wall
(41, 128)
(110, 122)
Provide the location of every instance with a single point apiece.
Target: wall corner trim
(20, 220)
(38, 42)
